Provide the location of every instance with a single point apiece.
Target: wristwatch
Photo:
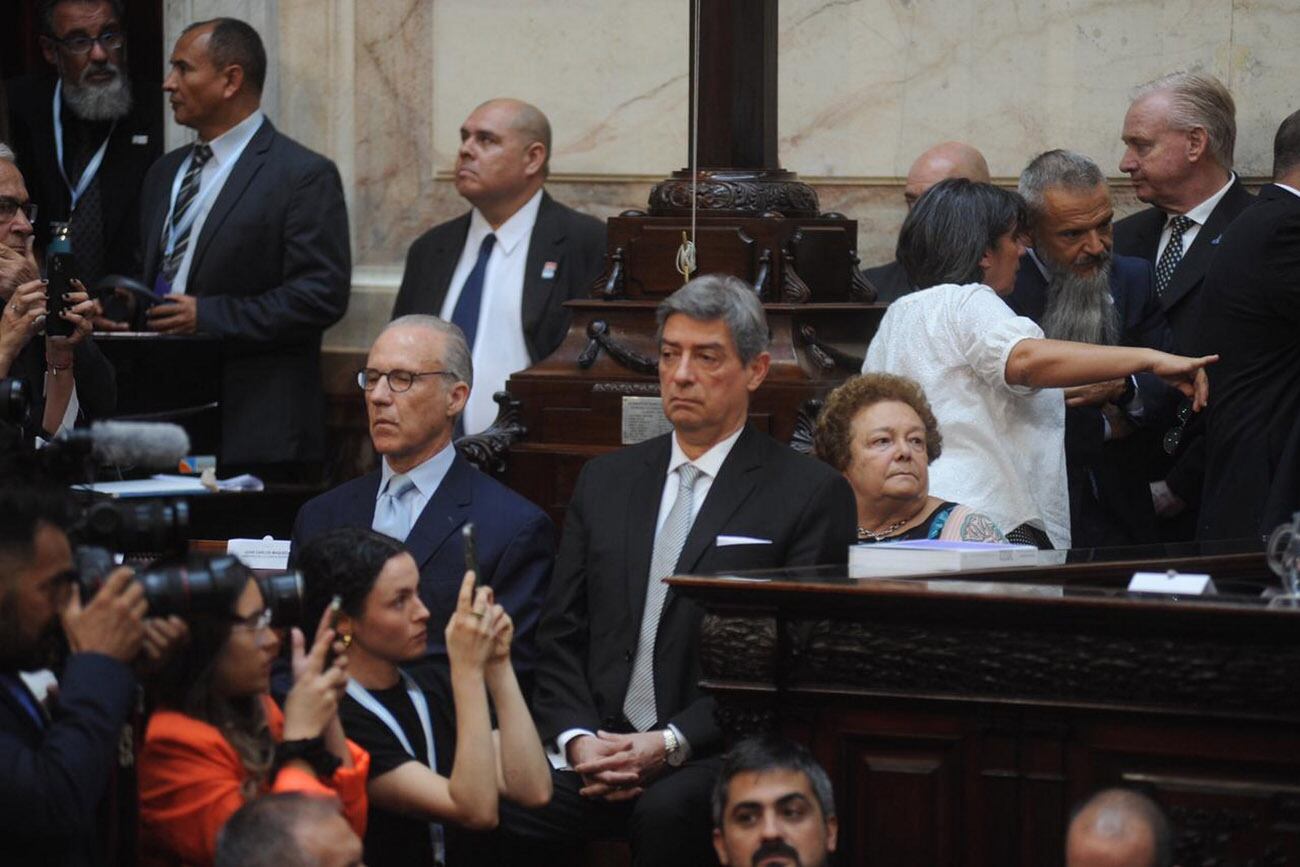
(673, 752)
(310, 750)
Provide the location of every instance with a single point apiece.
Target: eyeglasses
(9, 208)
(1174, 436)
(110, 41)
(398, 380)
(254, 622)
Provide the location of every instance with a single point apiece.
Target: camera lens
(142, 526)
(13, 400)
(206, 587)
(283, 594)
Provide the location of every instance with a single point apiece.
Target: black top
(930, 528)
(393, 838)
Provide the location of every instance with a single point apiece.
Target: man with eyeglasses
(246, 238)
(86, 135)
(416, 381)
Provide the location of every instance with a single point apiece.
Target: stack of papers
(922, 556)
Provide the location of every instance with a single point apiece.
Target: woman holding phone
(437, 764)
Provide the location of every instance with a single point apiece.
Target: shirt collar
(427, 476)
(709, 463)
(1042, 268)
(1292, 190)
(1201, 212)
(509, 233)
(231, 143)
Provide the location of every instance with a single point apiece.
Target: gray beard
(1080, 308)
(96, 102)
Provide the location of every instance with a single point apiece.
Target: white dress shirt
(1292, 190)
(226, 150)
(426, 476)
(1003, 444)
(499, 347)
(709, 464)
(1198, 215)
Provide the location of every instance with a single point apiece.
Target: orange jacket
(190, 781)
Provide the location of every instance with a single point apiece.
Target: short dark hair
(770, 753)
(47, 8)
(1286, 145)
(262, 833)
(343, 562)
(1109, 810)
(236, 43)
(952, 226)
(26, 505)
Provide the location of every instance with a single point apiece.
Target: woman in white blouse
(991, 376)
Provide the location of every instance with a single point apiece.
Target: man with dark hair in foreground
(773, 805)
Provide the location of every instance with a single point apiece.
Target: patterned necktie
(86, 222)
(1173, 253)
(393, 512)
(184, 199)
(639, 704)
(471, 294)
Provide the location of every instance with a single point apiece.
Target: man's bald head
(1118, 828)
(528, 120)
(950, 159)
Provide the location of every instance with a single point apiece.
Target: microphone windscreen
(153, 445)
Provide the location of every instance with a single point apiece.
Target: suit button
(627, 657)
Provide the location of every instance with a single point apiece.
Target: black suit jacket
(1139, 235)
(271, 270)
(136, 142)
(574, 242)
(592, 616)
(53, 777)
(1110, 502)
(891, 281)
(1253, 291)
(515, 541)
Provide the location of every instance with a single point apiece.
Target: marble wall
(382, 86)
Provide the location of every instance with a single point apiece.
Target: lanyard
(370, 703)
(92, 167)
(215, 182)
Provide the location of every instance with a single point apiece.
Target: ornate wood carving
(634, 388)
(764, 268)
(742, 193)
(600, 338)
(860, 288)
(805, 421)
(739, 648)
(825, 355)
(487, 450)
(739, 721)
(793, 289)
(611, 282)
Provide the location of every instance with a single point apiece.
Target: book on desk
(922, 556)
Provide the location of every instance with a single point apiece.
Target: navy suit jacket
(272, 270)
(891, 281)
(765, 491)
(515, 539)
(1121, 486)
(53, 777)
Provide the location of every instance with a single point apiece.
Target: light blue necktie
(393, 511)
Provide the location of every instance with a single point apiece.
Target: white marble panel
(1264, 67)
(612, 77)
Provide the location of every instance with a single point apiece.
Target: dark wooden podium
(961, 720)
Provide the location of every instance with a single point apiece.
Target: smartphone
(59, 264)
(471, 553)
(335, 609)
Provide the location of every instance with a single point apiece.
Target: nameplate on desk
(1172, 583)
(265, 553)
(643, 419)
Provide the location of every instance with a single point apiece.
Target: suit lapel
(545, 245)
(446, 510)
(1196, 260)
(728, 492)
(642, 515)
(158, 215)
(246, 168)
(359, 511)
(1147, 237)
(445, 258)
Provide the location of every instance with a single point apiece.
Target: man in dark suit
(1179, 135)
(503, 271)
(1071, 285)
(246, 237)
(1253, 289)
(89, 134)
(417, 378)
(618, 695)
(950, 159)
(58, 762)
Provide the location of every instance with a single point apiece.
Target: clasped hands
(617, 767)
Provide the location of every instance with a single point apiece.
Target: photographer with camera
(56, 763)
(218, 739)
(66, 376)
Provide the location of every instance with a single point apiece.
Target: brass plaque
(643, 419)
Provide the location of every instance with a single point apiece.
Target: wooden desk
(962, 719)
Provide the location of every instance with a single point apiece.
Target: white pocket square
(726, 541)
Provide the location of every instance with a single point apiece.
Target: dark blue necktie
(471, 294)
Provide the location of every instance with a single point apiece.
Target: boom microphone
(151, 445)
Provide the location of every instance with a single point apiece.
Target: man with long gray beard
(1070, 283)
(86, 135)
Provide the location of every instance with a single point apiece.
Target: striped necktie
(184, 200)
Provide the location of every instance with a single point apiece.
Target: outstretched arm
(1061, 363)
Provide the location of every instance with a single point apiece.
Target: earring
(347, 640)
